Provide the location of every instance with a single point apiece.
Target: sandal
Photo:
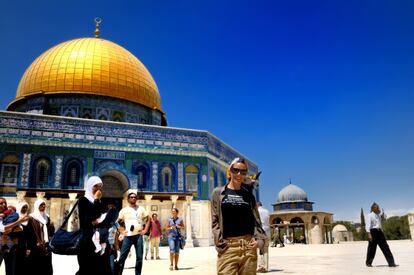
(171, 267)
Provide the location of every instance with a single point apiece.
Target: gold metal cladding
(90, 66)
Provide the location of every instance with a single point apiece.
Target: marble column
(72, 219)
(287, 231)
(40, 195)
(330, 234)
(188, 227)
(174, 199)
(20, 196)
(148, 203)
(306, 229)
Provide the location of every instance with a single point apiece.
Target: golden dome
(90, 66)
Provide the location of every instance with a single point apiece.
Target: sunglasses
(237, 171)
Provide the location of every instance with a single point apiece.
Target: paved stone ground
(344, 258)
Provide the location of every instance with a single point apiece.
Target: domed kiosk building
(341, 234)
(89, 107)
(294, 219)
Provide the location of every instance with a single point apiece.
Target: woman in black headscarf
(90, 210)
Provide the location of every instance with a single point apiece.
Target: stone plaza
(343, 258)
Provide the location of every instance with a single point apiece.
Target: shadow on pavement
(185, 268)
(275, 270)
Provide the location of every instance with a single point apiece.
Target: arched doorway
(115, 184)
(298, 230)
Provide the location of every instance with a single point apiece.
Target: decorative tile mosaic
(25, 169)
(155, 176)
(180, 169)
(114, 136)
(58, 173)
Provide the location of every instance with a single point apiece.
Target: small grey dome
(292, 193)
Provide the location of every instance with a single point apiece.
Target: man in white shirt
(264, 255)
(137, 222)
(376, 237)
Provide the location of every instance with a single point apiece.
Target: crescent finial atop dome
(98, 22)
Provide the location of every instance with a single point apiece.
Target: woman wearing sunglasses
(236, 223)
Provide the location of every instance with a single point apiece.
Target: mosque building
(89, 107)
(294, 218)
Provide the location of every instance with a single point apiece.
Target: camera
(131, 228)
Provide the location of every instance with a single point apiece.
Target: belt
(241, 241)
(244, 237)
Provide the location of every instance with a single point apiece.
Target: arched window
(103, 117)
(87, 116)
(102, 113)
(191, 178)
(70, 111)
(142, 177)
(326, 220)
(42, 171)
(166, 179)
(277, 221)
(315, 220)
(118, 116)
(9, 166)
(87, 113)
(296, 220)
(73, 172)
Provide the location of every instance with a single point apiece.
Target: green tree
(362, 234)
(396, 228)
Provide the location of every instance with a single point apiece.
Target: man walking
(155, 236)
(376, 237)
(136, 225)
(264, 253)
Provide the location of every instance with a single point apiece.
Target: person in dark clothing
(376, 237)
(43, 230)
(26, 242)
(90, 209)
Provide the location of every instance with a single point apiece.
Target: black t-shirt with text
(238, 219)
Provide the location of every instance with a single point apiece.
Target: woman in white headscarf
(43, 230)
(90, 209)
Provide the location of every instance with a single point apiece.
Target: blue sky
(318, 91)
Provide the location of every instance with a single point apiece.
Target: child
(101, 235)
(9, 216)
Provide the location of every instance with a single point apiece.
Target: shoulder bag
(66, 242)
(181, 238)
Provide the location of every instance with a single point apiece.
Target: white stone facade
(411, 224)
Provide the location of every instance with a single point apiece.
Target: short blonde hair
(233, 162)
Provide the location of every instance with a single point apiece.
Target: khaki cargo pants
(237, 259)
